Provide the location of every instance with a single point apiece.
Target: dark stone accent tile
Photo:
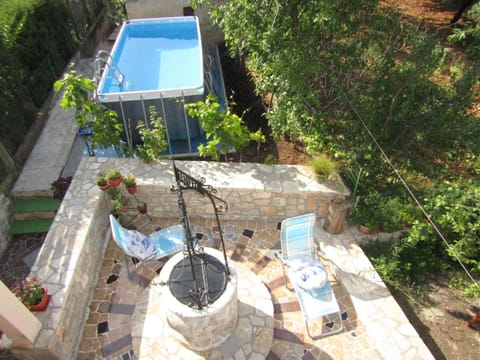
(286, 307)
(116, 345)
(135, 261)
(261, 264)
(237, 253)
(308, 356)
(276, 283)
(159, 269)
(344, 316)
(271, 356)
(248, 233)
(330, 324)
(112, 278)
(102, 327)
(158, 228)
(125, 309)
(279, 226)
(128, 355)
(287, 335)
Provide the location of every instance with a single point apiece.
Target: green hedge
(36, 42)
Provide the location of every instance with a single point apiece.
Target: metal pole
(188, 235)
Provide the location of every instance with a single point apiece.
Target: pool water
(162, 54)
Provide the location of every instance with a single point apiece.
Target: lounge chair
(307, 274)
(144, 248)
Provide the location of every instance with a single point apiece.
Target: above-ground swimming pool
(154, 56)
(159, 62)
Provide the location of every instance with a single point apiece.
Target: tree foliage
(78, 94)
(154, 141)
(224, 129)
(343, 73)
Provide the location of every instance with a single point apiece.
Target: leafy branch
(225, 130)
(78, 94)
(154, 139)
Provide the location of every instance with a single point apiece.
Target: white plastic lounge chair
(159, 244)
(307, 274)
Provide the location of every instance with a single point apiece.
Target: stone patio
(250, 244)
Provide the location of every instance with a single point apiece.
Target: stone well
(205, 328)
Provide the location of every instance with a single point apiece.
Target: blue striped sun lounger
(308, 275)
(144, 248)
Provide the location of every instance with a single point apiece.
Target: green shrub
(323, 166)
(270, 160)
(154, 141)
(36, 41)
(455, 208)
(403, 263)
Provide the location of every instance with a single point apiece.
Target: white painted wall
(140, 9)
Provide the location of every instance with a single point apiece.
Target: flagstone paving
(249, 244)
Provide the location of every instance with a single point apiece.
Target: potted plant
(102, 181)
(31, 293)
(142, 207)
(113, 192)
(114, 177)
(130, 183)
(119, 203)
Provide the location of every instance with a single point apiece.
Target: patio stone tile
(286, 307)
(126, 309)
(117, 345)
(290, 340)
(287, 335)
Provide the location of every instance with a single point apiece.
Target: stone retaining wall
(73, 251)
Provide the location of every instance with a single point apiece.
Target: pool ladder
(208, 61)
(103, 59)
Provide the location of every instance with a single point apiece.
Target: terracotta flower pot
(42, 305)
(364, 229)
(115, 182)
(104, 187)
(132, 189)
(142, 209)
(474, 319)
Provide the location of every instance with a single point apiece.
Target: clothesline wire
(404, 183)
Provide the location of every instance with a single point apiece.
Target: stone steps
(32, 215)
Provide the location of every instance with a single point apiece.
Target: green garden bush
(36, 41)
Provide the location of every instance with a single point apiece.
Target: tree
(348, 77)
(78, 94)
(224, 129)
(154, 140)
(464, 5)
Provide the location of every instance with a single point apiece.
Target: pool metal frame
(122, 102)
